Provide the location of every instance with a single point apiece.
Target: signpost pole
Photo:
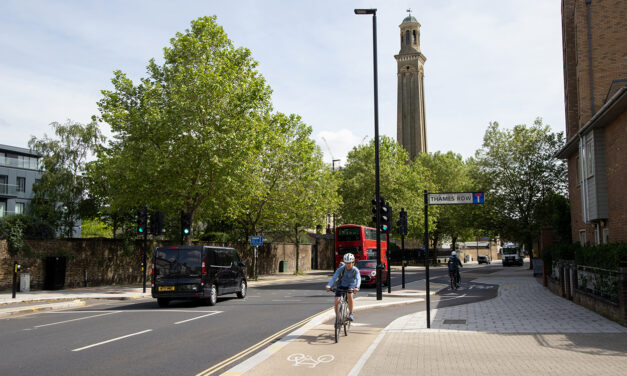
(256, 263)
(426, 240)
(403, 253)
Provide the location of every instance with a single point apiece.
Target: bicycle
(454, 281)
(341, 316)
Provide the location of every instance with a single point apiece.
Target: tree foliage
(520, 169)
(60, 193)
(401, 184)
(183, 135)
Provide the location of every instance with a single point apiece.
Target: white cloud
(338, 144)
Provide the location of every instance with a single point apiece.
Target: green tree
(401, 184)
(185, 134)
(61, 191)
(450, 174)
(520, 168)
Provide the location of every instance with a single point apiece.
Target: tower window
(407, 37)
(414, 36)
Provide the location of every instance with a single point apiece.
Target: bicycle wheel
(338, 323)
(345, 320)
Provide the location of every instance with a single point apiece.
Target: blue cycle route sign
(256, 240)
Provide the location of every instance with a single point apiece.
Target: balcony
(10, 190)
(29, 163)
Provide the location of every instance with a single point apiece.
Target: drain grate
(454, 322)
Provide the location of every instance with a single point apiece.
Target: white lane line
(199, 317)
(112, 340)
(82, 318)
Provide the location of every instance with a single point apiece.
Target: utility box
(24, 282)
(283, 267)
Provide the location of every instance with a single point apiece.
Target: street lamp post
(333, 163)
(376, 142)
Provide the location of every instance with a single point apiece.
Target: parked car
(368, 271)
(483, 260)
(197, 272)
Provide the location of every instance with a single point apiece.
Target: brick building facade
(594, 44)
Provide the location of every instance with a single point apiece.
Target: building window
(407, 37)
(597, 234)
(606, 235)
(589, 158)
(4, 184)
(3, 208)
(21, 184)
(414, 32)
(19, 208)
(582, 237)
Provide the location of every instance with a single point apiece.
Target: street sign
(456, 198)
(256, 240)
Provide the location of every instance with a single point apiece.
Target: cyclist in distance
(347, 278)
(453, 266)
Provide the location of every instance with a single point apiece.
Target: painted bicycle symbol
(308, 360)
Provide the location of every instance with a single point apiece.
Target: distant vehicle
(359, 240)
(197, 272)
(368, 271)
(483, 260)
(512, 255)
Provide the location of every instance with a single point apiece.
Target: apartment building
(19, 169)
(595, 93)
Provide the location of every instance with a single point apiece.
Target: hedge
(606, 256)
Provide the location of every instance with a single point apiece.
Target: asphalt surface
(136, 337)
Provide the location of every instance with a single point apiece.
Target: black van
(196, 272)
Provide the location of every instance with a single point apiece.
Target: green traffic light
(186, 231)
(384, 228)
(140, 230)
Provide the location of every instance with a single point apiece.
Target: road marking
(237, 357)
(112, 340)
(199, 317)
(82, 318)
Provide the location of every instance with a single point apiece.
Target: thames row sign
(456, 198)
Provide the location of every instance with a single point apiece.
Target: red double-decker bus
(360, 241)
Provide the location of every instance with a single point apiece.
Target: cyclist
(347, 278)
(453, 266)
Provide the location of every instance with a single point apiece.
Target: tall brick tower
(411, 130)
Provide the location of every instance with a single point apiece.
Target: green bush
(558, 251)
(605, 256)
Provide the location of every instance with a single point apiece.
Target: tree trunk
(297, 247)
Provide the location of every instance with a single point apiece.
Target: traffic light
(383, 213)
(186, 223)
(156, 223)
(388, 215)
(402, 223)
(142, 218)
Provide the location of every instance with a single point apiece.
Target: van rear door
(178, 270)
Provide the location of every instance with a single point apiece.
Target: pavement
(525, 330)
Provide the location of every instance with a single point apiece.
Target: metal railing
(597, 281)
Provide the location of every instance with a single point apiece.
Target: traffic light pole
(387, 255)
(144, 259)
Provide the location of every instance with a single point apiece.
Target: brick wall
(609, 62)
(104, 263)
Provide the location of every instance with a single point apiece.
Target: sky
(487, 60)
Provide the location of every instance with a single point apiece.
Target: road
(138, 338)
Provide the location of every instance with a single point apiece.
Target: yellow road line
(254, 347)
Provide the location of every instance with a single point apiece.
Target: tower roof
(410, 18)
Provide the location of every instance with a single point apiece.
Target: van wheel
(213, 296)
(242, 291)
(163, 302)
